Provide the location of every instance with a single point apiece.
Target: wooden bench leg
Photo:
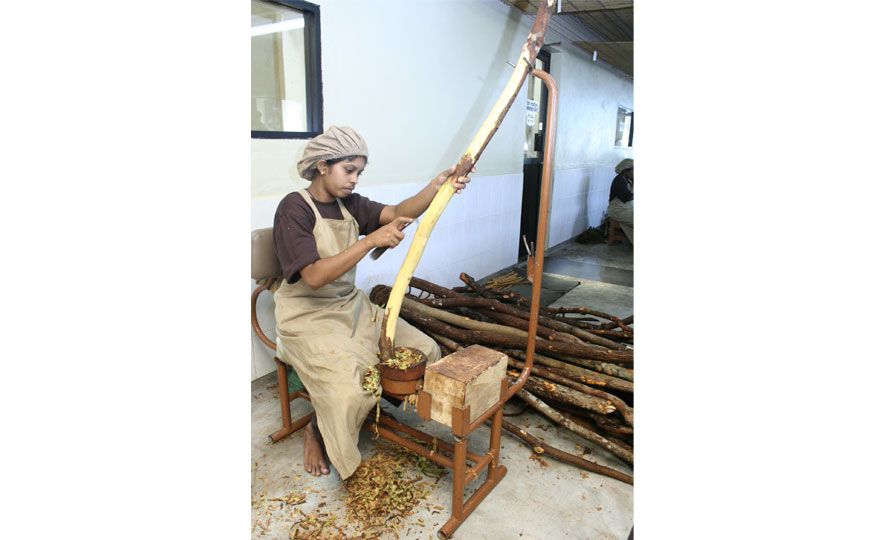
(289, 427)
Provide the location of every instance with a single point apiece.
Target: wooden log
(524, 64)
(609, 326)
(555, 324)
(625, 410)
(483, 305)
(522, 300)
(470, 377)
(576, 373)
(563, 394)
(557, 417)
(613, 370)
(511, 341)
(434, 289)
(513, 325)
(582, 311)
(479, 289)
(443, 341)
(448, 298)
(607, 423)
(517, 322)
(613, 429)
(615, 439)
(540, 447)
(461, 321)
(614, 335)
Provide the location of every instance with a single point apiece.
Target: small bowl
(403, 381)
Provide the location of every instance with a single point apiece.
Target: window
(624, 129)
(287, 101)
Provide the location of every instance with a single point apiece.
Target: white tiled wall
(477, 233)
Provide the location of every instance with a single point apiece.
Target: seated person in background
(620, 197)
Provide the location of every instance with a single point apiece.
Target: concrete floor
(537, 500)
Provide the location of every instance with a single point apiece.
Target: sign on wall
(531, 112)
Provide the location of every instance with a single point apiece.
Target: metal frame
(454, 456)
(314, 73)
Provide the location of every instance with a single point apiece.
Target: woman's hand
(390, 235)
(460, 183)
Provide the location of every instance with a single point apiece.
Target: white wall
(416, 80)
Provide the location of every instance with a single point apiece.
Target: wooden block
(471, 376)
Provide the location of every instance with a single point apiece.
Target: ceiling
(603, 26)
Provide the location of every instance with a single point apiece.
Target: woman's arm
(325, 271)
(415, 205)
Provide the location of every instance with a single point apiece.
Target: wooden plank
(470, 377)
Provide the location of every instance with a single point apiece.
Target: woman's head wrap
(336, 142)
(624, 165)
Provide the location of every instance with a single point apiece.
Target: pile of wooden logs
(582, 377)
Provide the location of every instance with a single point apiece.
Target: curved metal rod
(546, 177)
(255, 326)
(543, 212)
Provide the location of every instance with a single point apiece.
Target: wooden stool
(615, 232)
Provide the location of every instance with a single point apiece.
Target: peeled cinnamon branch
(524, 64)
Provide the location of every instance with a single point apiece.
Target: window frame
(632, 114)
(313, 73)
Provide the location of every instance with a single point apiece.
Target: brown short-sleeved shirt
(293, 227)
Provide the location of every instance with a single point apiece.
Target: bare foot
(314, 463)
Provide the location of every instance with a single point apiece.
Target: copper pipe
(544, 205)
(546, 177)
(255, 327)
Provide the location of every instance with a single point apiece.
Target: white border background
(758, 283)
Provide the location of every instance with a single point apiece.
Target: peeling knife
(379, 251)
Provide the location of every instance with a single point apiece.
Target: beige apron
(330, 336)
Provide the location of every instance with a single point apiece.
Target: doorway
(533, 155)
